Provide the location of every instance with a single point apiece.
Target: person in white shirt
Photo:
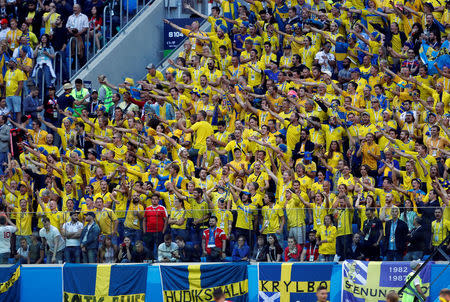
(7, 228)
(23, 253)
(71, 231)
(325, 59)
(51, 237)
(77, 25)
(167, 249)
(4, 29)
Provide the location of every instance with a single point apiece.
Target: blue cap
(283, 147)
(376, 35)
(351, 36)
(100, 107)
(356, 69)
(223, 28)
(307, 156)
(163, 150)
(195, 92)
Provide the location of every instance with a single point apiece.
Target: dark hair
(179, 238)
(167, 237)
(218, 293)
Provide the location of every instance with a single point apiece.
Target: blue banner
(292, 281)
(172, 37)
(104, 282)
(10, 283)
(372, 281)
(440, 56)
(197, 282)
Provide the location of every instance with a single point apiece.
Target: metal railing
(107, 11)
(125, 16)
(59, 58)
(71, 41)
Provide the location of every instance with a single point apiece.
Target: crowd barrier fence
(44, 283)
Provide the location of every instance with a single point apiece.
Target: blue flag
(104, 282)
(10, 283)
(371, 281)
(284, 282)
(429, 56)
(197, 282)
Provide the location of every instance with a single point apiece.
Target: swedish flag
(292, 281)
(10, 283)
(104, 282)
(197, 282)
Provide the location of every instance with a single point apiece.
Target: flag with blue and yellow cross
(197, 282)
(292, 281)
(104, 282)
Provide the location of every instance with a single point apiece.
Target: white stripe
(272, 298)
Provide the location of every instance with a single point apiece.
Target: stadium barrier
(45, 282)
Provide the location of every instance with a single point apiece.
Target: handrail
(113, 38)
(60, 73)
(70, 55)
(106, 9)
(36, 79)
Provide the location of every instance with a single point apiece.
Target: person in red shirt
(214, 241)
(311, 250)
(293, 251)
(155, 224)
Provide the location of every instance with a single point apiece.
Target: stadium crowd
(292, 131)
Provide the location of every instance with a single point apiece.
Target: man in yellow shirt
(106, 220)
(133, 219)
(202, 130)
(153, 76)
(344, 217)
(440, 228)
(273, 217)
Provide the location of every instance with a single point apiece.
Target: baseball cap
(67, 86)
(307, 156)
(92, 214)
(150, 66)
(4, 21)
(356, 69)
(327, 72)
(129, 81)
(413, 264)
(292, 93)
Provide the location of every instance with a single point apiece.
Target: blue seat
(202, 259)
(355, 228)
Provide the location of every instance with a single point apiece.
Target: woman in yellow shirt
(327, 240)
(334, 155)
